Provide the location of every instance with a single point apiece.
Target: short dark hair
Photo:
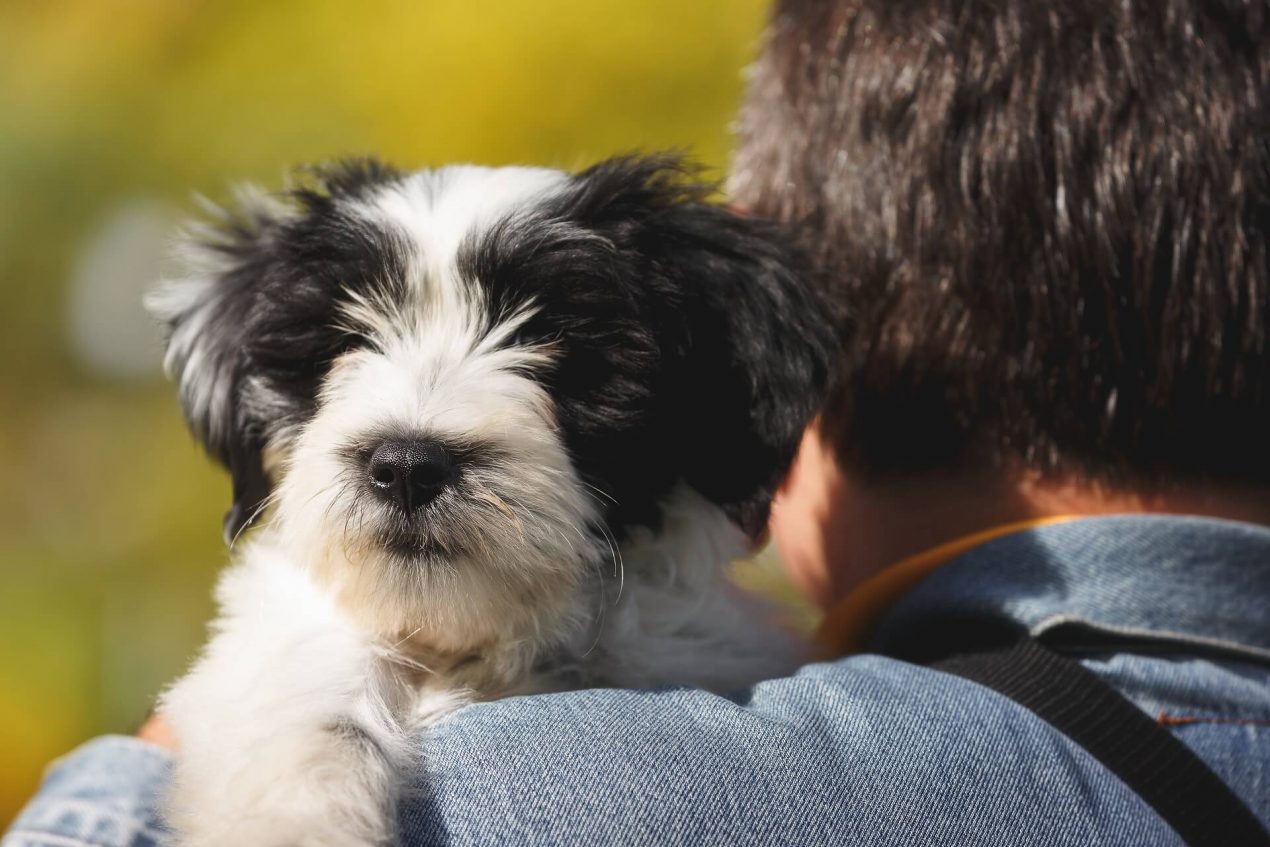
(1044, 225)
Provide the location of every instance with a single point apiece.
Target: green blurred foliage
(109, 514)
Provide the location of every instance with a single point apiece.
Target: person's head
(1045, 227)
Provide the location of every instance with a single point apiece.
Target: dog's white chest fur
(297, 725)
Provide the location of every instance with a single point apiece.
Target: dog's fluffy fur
(621, 370)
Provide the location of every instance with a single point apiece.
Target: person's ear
(206, 315)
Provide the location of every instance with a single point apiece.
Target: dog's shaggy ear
(207, 315)
(756, 362)
(745, 343)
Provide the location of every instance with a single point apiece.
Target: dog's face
(460, 387)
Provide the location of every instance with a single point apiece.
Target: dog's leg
(287, 726)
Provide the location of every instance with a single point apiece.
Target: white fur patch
(438, 209)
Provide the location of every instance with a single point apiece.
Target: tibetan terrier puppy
(508, 427)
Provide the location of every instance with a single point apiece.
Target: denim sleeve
(104, 794)
(864, 751)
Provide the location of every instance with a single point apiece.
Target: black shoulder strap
(1147, 757)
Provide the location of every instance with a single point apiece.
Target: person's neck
(884, 523)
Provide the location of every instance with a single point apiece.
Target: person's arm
(104, 794)
(863, 751)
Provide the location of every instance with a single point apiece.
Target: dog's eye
(301, 350)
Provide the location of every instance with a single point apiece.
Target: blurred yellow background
(112, 112)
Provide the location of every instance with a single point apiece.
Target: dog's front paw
(337, 794)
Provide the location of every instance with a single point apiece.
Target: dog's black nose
(410, 473)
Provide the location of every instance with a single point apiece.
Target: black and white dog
(510, 426)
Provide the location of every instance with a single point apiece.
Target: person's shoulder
(862, 750)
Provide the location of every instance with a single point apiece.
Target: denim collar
(1161, 581)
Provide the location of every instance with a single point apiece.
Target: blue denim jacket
(1173, 612)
